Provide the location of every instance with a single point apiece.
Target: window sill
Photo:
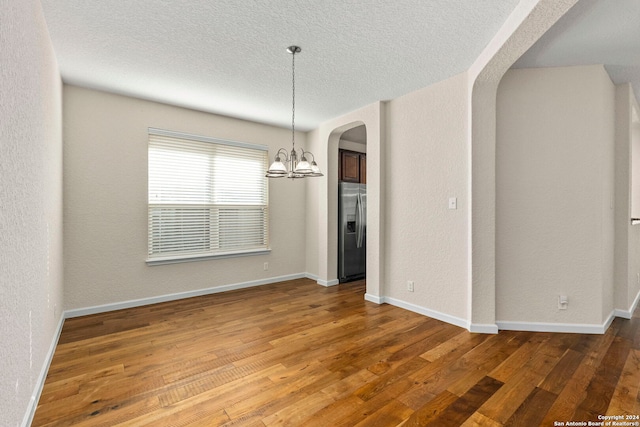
(175, 259)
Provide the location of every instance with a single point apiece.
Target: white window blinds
(207, 197)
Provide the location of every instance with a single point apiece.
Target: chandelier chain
(293, 107)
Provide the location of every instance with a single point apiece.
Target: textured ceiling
(593, 32)
(229, 57)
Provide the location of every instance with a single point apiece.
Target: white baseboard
(325, 283)
(625, 314)
(177, 296)
(374, 298)
(576, 328)
(447, 318)
(607, 322)
(457, 321)
(483, 328)
(635, 304)
(628, 314)
(37, 391)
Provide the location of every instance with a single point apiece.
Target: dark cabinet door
(349, 166)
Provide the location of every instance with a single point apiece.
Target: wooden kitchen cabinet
(363, 168)
(353, 167)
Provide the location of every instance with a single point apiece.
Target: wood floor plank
(369, 408)
(485, 359)
(625, 398)
(448, 346)
(431, 410)
(521, 384)
(294, 353)
(464, 372)
(563, 371)
(333, 413)
(391, 414)
(293, 415)
(533, 409)
(479, 420)
(463, 407)
(514, 363)
(343, 400)
(602, 386)
(374, 387)
(594, 348)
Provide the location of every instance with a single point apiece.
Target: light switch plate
(453, 203)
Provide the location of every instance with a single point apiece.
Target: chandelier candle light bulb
(303, 168)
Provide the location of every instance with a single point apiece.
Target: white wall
(627, 248)
(635, 171)
(633, 268)
(416, 160)
(105, 212)
(345, 144)
(30, 206)
(425, 165)
(554, 195)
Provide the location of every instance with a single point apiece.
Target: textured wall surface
(628, 140)
(554, 195)
(529, 21)
(624, 196)
(425, 165)
(635, 174)
(30, 204)
(105, 167)
(633, 241)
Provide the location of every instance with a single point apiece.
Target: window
(207, 197)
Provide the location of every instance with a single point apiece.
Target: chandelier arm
(283, 151)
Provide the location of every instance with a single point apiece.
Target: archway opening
(352, 205)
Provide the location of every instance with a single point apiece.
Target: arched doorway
(324, 249)
(352, 204)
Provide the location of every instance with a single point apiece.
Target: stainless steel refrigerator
(352, 231)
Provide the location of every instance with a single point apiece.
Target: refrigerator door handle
(359, 222)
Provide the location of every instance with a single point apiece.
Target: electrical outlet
(563, 302)
(266, 266)
(410, 286)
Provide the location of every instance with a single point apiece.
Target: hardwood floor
(295, 353)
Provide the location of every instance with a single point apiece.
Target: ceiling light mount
(296, 169)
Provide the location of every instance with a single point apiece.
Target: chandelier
(296, 169)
